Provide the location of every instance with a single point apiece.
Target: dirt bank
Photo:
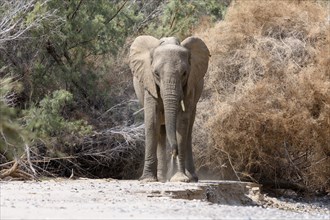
(114, 199)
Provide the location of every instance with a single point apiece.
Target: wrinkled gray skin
(167, 73)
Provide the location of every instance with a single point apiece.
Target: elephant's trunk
(171, 99)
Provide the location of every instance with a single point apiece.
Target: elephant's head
(169, 71)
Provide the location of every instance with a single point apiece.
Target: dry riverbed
(131, 199)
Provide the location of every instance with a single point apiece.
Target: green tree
(179, 17)
(62, 51)
(92, 29)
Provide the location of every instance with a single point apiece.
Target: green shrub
(179, 17)
(45, 120)
(12, 135)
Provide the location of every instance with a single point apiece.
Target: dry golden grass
(269, 83)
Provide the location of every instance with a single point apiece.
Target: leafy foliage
(46, 120)
(68, 48)
(12, 134)
(179, 17)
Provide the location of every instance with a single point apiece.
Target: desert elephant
(168, 81)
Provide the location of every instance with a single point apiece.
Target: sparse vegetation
(68, 105)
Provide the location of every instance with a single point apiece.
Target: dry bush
(117, 153)
(11, 170)
(269, 83)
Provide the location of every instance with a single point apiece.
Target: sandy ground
(114, 199)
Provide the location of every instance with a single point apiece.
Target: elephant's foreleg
(161, 155)
(182, 134)
(152, 126)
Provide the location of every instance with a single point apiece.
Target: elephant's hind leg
(190, 167)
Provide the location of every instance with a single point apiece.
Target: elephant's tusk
(182, 106)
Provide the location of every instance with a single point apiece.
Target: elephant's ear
(199, 59)
(140, 61)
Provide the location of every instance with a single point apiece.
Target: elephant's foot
(145, 178)
(161, 177)
(192, 176)
(179, 177)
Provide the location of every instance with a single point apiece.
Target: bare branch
(76, 10)
(13, 18)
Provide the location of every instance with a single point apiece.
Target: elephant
(168, 78)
